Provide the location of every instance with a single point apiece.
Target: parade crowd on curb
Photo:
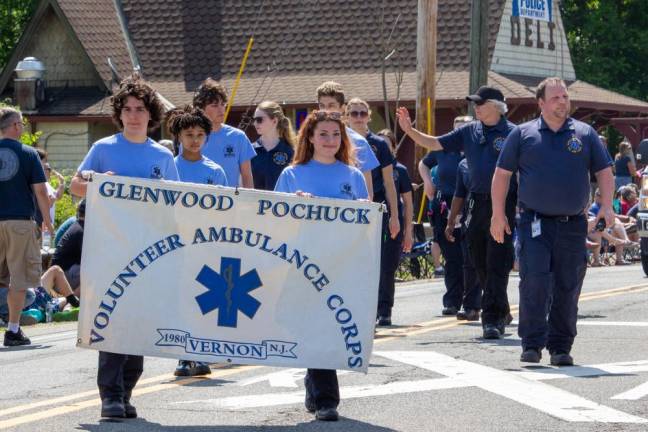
(544, 198)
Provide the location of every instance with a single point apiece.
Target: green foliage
(608, 40)
(14, 15)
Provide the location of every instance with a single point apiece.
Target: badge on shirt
(280, 158)
(228, 151)
(498, 143)
(156, 172)
(346, 189)
(574, 145)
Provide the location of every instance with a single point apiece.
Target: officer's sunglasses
(359, 114)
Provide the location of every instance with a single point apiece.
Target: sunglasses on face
(359, 114)
(259, 120)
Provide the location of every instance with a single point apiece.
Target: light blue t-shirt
(204, 171)
(142, 160)
(229, 147)
(336, 180)
(365, 156)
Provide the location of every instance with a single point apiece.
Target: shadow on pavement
(344, 424)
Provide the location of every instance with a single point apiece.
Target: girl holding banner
(323, 167)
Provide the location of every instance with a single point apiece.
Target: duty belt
(559, 218)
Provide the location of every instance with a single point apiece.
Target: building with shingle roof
(298, 44)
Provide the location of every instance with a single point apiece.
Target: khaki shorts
(20, 258)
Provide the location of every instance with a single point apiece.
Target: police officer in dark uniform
(554, 155)
(446, 163)
(460, 205)
(481, 142)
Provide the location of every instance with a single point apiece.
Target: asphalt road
(428, 373)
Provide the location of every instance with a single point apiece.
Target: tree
(608, 40)
(14, 15)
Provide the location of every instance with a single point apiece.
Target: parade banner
(533, 9)
(215, 274)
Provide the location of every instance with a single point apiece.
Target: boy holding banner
(136, 109)
(323, 167)
(191, 127)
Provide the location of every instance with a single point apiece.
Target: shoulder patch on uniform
(574, 145)
(280, 158)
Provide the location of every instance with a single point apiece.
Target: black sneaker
(449, 311)
(531, 355)
(384, 321)
(491, 332)
(112, 408)
(183, 368)
(561, 359)
(200, 368)
(468, 315)
(327, 414)
(16, 339)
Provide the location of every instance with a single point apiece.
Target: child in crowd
(190, 127)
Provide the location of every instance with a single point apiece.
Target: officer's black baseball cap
(485, 93)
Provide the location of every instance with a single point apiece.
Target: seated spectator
(68, 253)
(615, 235)
(63, 229)
(55, 284)
(628, 199)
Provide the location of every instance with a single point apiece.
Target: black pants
(454, 279)
(322, 388)
(472, 290)
(389, 258)
(493, 261)
(118, 374)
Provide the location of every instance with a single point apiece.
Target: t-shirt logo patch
(210, 180)
(574, 145)
(156, 172)
(346, 189)
(280, 158)
(229, 151)
(498, 143)
(8, 164)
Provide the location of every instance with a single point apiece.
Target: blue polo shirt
(203, 171)
(125, 158)
(20, 168)
(482, 145)
(268, 165)
(385, 158)
(554, 167)
(446, 163)
(229, 147)
(365, 158)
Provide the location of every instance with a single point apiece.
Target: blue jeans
(30, 295)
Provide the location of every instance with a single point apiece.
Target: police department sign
(209, 273)
(533, 9)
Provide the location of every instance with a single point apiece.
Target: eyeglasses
(258, 120)
(327, 115)
(359, 114)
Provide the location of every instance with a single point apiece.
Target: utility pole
(426, 49)
(479, 36)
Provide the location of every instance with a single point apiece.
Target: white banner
(534, 9)
(215, 274)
